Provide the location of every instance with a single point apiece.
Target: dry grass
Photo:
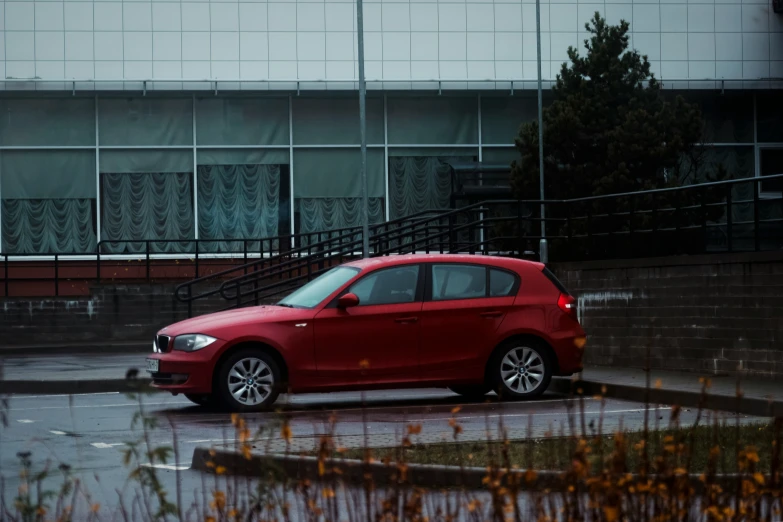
(645, 477)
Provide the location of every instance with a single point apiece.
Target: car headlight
(192, 342)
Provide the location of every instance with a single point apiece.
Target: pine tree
(609, 129)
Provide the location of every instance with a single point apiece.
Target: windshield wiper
(286, 305)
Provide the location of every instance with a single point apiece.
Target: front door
(377, 341)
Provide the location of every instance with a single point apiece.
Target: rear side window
(501, 283)
(454, 281)
(555, 281)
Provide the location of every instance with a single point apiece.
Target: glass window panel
(463, 152)
(30, 122)
(769, 111)
(243, 156)
(419, 183)
(146, 121)
(240, 201)
(458, 282)
(336, 173)
(242, 121)
(501, 283)
(140, 206)
(48, 226)
(388, 286)
(704, 162)
(727, 118)
(47, 174)
(501, 117)
(146, 161)
(433, 120)
(335, 121)
(770, 164)
(498, 156)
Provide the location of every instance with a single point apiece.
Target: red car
(469, 323)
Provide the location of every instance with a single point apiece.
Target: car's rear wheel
(201, 400)
(521, 369)
(471, 391)
(248, 380)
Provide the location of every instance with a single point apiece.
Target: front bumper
(187, 372)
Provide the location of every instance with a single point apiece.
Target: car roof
(406, 259)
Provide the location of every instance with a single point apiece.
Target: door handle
(406, 319)
(491, 314)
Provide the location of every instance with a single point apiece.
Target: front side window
(388, 286)
(454, 281)
(311, 294)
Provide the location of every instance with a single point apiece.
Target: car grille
(162, 343)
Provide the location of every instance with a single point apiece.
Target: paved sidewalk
(56, 372)
(686, 382)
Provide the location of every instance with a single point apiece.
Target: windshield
(311, 294)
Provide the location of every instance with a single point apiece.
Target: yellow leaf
(455, 410)
(759, 478)
(285, 432)
(611, 513)
(220, 470)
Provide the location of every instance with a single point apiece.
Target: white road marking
(104, 445)
(20, 397)
(97, 406)
(25, 421)
(169, 467)
(57, 432)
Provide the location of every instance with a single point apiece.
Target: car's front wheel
(248, 380)
(522, 369)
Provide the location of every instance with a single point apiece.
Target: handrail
(676, 221)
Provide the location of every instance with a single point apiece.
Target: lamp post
(363, 131)
(543, 248)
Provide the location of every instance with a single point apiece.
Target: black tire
(201, 400)
(472, 391)
(533, 373)
(266, 393)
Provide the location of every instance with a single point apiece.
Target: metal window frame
(195, 147)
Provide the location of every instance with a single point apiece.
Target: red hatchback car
(469, 323)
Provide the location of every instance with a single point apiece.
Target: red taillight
(567, 304)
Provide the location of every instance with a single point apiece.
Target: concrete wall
(718, 313)
(246, 44)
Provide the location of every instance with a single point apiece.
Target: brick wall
(718, 313)
(110, 313)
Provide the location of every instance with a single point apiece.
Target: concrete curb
(690, 399)
(75, 387)
(90, 348)
(296, 468)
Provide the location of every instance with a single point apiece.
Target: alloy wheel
(250, 381)
(522, 369)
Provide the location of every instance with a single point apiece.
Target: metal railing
(726, 216)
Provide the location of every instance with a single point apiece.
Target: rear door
(464, 306)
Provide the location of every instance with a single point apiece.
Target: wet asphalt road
(90, 432)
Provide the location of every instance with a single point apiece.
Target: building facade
(131, 120)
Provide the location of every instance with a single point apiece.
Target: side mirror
(347, 301)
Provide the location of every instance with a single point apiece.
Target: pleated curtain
(238, 202)
(147, 206)
(325, 214)
(418, 183)
(47, 226)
